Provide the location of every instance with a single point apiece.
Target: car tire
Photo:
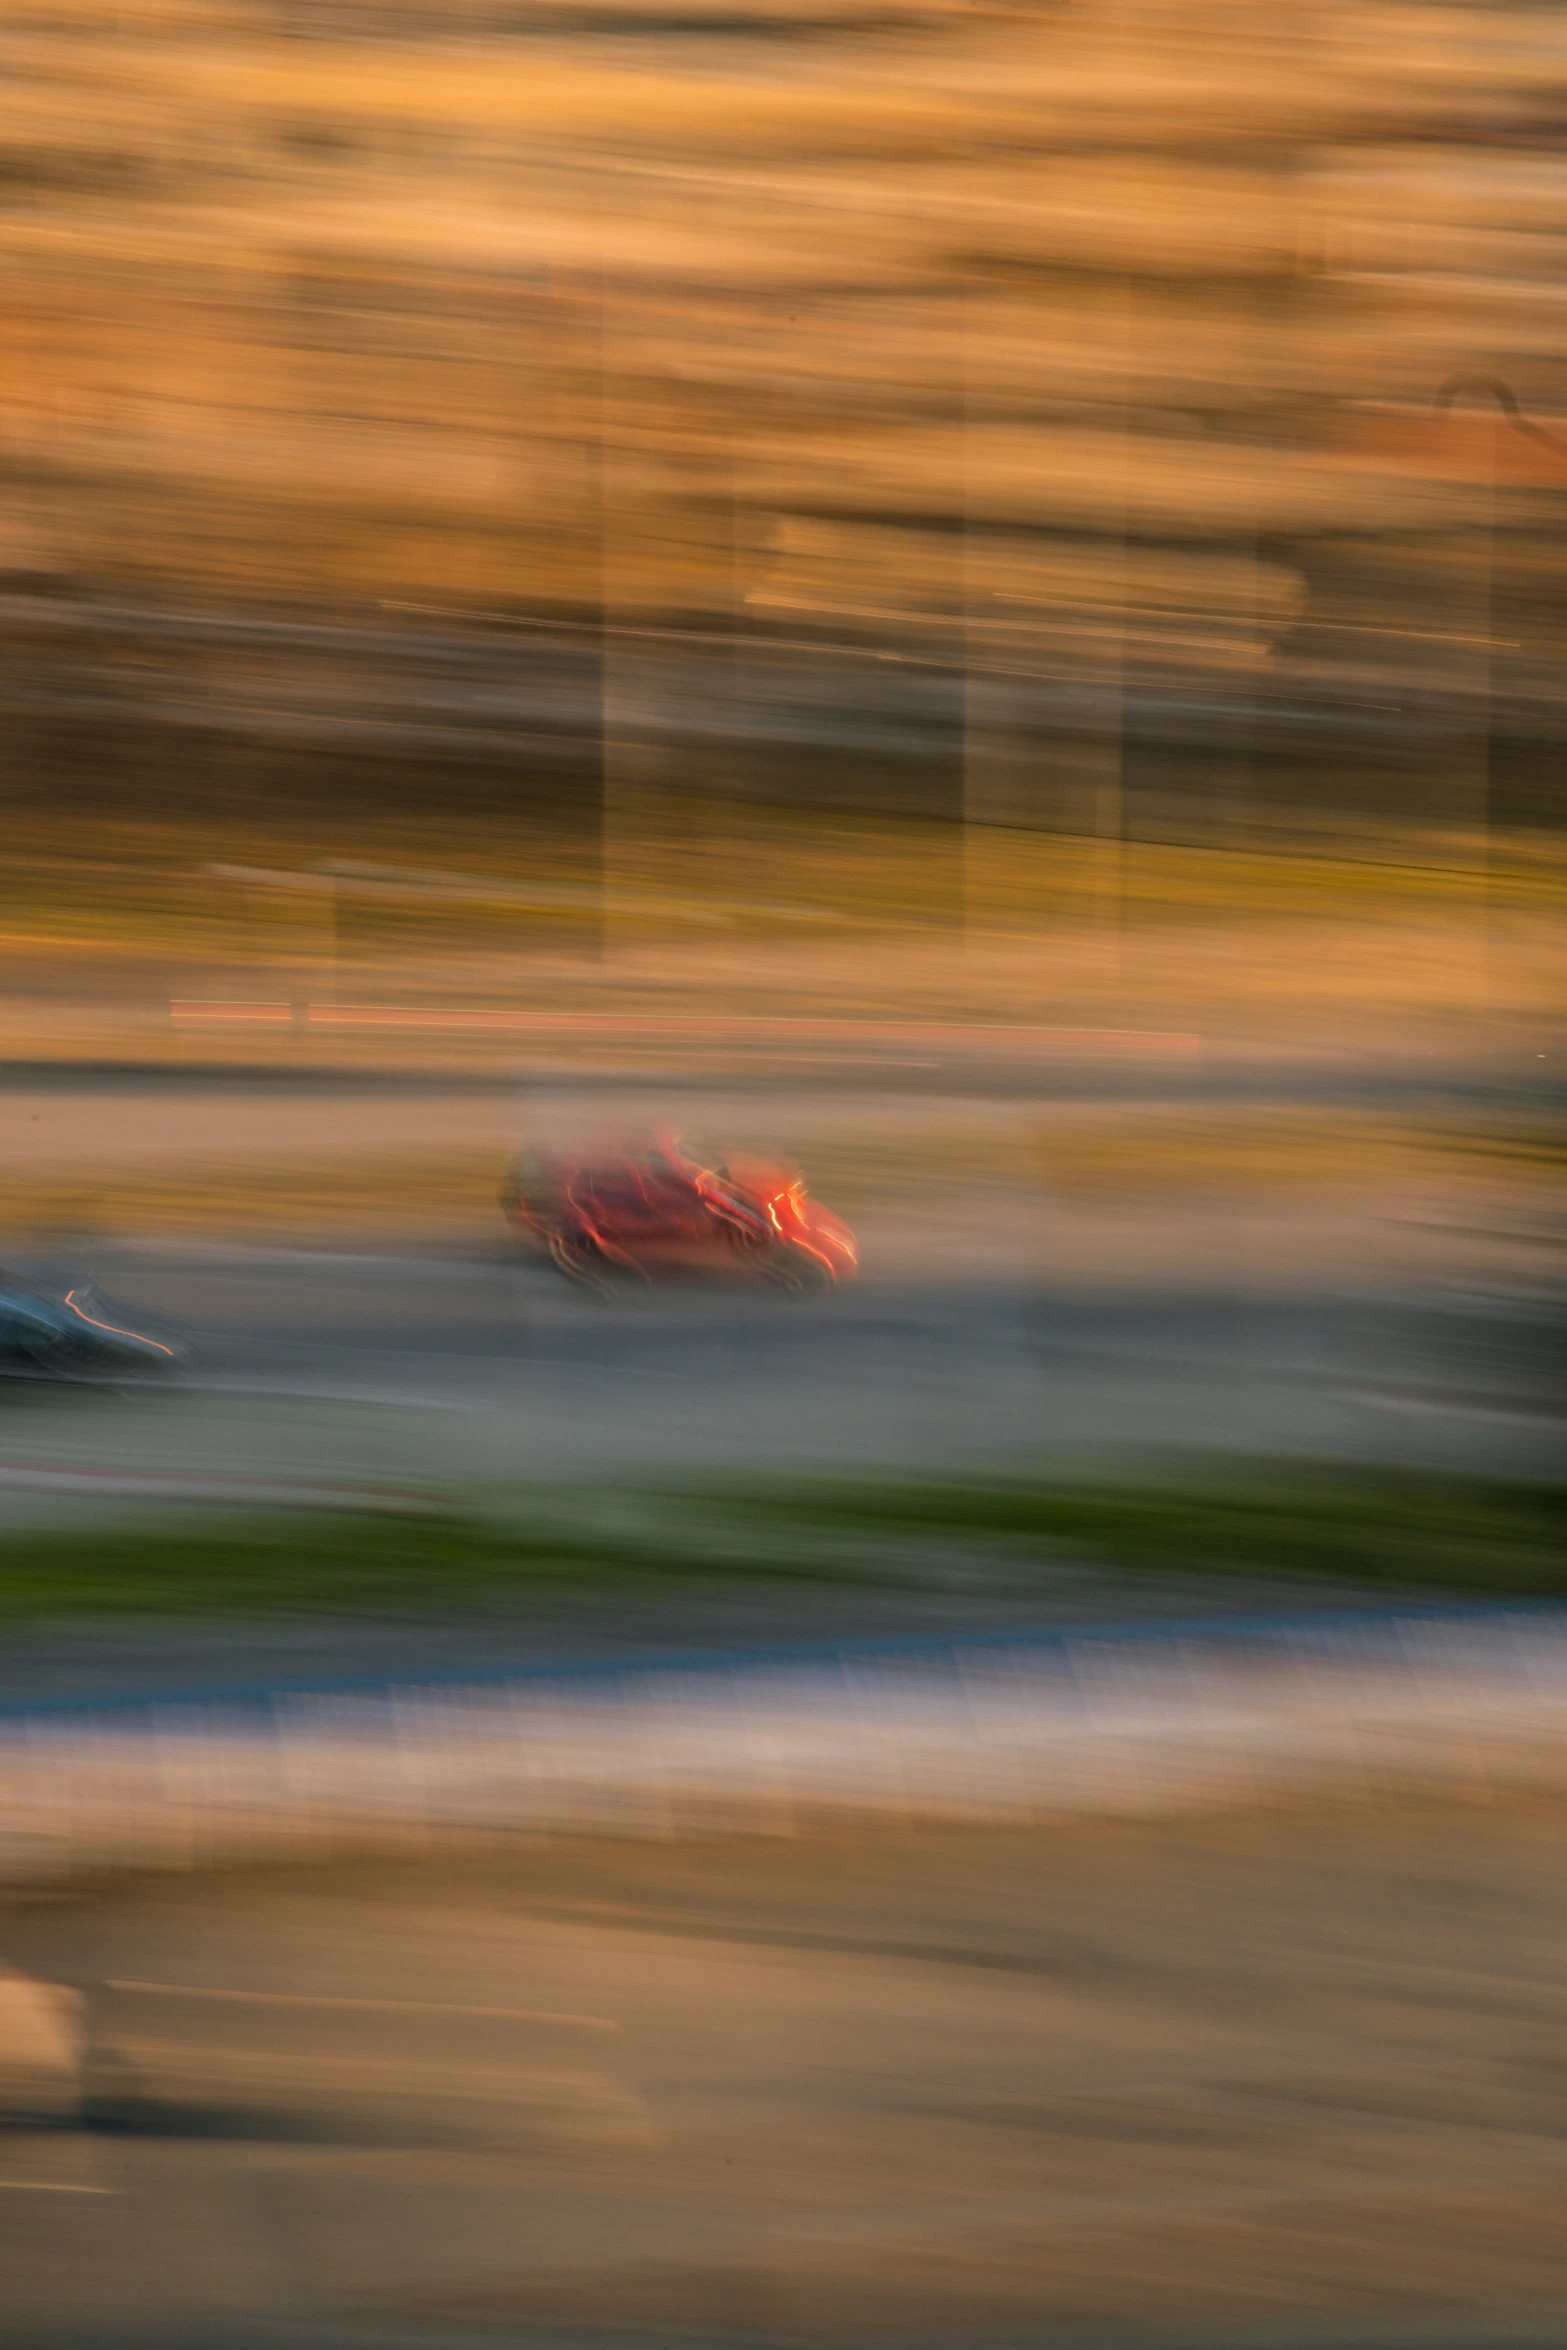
(797, 1272)
(583, 1265)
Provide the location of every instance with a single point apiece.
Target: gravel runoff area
(1234, 2082)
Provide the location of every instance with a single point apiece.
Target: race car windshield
(698, 1154)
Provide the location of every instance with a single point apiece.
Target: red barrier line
(386, 1016)
(251, 1015)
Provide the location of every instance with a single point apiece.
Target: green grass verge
(1460, 1535)
(302, 1564)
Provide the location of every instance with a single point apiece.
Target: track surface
(1267, 2081)
(991, 1320)
(517, 1374)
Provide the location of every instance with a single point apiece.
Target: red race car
(663, 1204)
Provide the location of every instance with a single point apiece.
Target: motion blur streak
(114, 1328)
(784, 848)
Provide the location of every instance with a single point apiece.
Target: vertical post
(597, 781)
(987, 794)
(1504, 406)
(1487, 708)
(969, 728)
(1110, 809)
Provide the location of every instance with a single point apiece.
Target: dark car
(66, 1330)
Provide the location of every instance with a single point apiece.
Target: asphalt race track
(526, 1377)
(987, 1329)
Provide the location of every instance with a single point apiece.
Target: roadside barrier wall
(1133, 1721)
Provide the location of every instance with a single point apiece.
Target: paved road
(367, 1367)
(517, 1373)
(1279, 2081)
(991, 1320)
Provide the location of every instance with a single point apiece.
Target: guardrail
(1127, 1720)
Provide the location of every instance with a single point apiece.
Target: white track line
(161, 1485)
(52, 2187)
(1422, 1407)
(277, 1392)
